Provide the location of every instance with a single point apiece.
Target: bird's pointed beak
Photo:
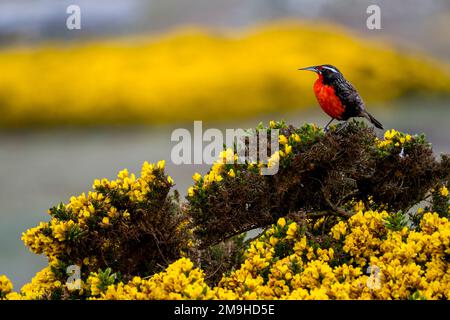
(313, 69)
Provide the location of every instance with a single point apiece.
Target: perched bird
(337, 97)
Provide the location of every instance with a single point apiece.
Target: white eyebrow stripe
(331, 69)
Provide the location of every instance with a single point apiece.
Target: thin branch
(228, 236)
(159, 249)
(338, 210)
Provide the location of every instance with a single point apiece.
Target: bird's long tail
(374, 121)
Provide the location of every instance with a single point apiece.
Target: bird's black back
(346, 92)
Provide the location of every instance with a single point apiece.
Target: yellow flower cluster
(49, 238)
(286, 145)
(136, 189)
(153, 82)
(379, 263)
(226, 159)
(444, 191)
(286, 148)
(40, 241)
(367, 231)
(92, 215)
(6, 286)
(60, 229)
(44, 285)
(394, 138)
(364, 260)
(339, 230)
(371, 255)
(215, 174)
(222, 166)
(179, 281)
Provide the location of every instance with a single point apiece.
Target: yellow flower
(5, 286)
(60, 228)
(227, 156)
(359, 206)
(123, 174)
(390, 134)
(281, 222)
(197, 176)
(161, 164)
(273, 241)
(296, 137)
(382, 144)
(112, 212)
(444, 191)
(170, 180)
(231, 173)
(272, 124)
(96, 184)
(338, 230)
(292, 230)
(287, 149)
(282, 139)
(105, 220)
(191, 191)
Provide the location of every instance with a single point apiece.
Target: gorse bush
(117, 225)
(337, 224)
(358, 258)
(319, 174)
(166, 79)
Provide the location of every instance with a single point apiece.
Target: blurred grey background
(418, 24)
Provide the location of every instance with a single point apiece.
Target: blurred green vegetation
(192, 74)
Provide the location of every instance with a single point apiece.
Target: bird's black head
(328, 72)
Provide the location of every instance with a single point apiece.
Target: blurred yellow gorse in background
(192, 74)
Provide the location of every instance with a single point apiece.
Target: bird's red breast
(328, 99)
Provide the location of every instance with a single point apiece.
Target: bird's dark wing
(350, 98)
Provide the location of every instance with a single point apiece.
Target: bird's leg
(326, 127)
